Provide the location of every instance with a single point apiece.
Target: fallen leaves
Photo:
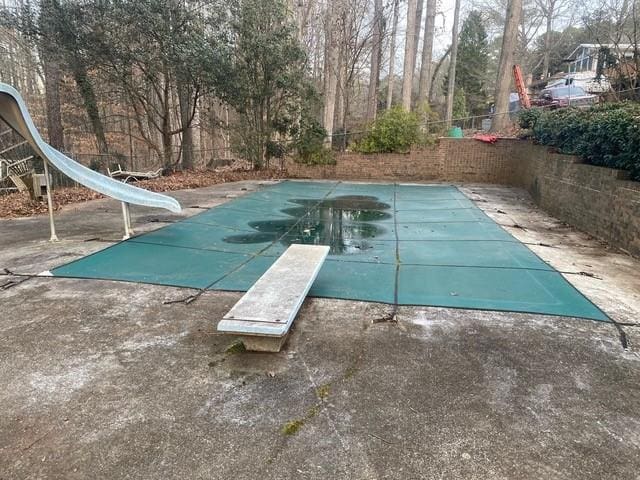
(14, 205)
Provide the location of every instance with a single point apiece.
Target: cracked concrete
(103, 380)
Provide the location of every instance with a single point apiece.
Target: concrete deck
(103, 380)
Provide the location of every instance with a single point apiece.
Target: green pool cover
(391, 243)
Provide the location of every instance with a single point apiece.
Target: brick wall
(455, 160)
(597, 200)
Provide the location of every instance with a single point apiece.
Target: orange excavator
(520, 87)
(525, 102)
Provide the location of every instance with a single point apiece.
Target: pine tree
(472, 63)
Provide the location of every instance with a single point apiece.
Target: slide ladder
(13, 111)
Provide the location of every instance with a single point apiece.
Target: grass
(293, 426)
(236, 347)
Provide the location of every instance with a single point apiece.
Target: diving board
(263, 316)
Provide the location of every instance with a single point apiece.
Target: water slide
(13, 111)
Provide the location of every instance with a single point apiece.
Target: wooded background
(185, 83)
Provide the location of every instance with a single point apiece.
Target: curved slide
(14, 112)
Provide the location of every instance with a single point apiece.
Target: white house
(582, 66)
(586, 56)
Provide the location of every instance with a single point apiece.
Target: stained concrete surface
(103, 380)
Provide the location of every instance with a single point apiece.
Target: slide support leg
(126, 215)
(52, 226)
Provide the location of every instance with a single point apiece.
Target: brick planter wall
(600, 201)
(455, 160)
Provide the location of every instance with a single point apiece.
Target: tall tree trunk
(376, 52)
(52, 76)
(416, 41)
(341, 95)
(424, 85)
(547, 40)
(167, 144)
(227, 136)
(186, 108)
(52, 99)
(317, 55)
(330, 71)
(503, 82)
(452, 64)
(409, 59)
(436, 73)
(165, 130)
(90, 102)
(392, 55)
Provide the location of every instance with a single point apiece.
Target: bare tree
(52, 74)
(416, 41)
(452, 64)
(52, 101)
(549, 9)
(354, 39)
(424, 84)
(376, 52)
(331, 66)
(435, 76)
(505, 65)
(531, 22)
(409, 57)
(392, 54)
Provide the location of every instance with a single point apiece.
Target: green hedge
(395, 130)
(606, 135)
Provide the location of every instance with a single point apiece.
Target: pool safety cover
(392, 243)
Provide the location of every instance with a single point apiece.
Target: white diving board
(263, 316)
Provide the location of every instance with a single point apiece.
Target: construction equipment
(520, 87)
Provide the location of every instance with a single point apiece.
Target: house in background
(588, 63)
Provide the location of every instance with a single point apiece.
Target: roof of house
(619, 46)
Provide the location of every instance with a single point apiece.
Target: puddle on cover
(345, 223)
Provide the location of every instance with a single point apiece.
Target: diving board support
(263, 316)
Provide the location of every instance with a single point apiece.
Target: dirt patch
(16, 205)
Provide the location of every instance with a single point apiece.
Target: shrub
(395, 130)
(433, 127)
(561, 128)
(309, 144)
(606, 135)
(528, 118)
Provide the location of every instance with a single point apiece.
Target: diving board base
(255, 343)
(256, 336)
(263, 316)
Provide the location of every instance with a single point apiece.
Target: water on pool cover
(390, 243)
(343, 223)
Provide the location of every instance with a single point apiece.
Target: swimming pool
(391, 243)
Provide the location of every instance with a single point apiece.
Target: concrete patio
(105, 380)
